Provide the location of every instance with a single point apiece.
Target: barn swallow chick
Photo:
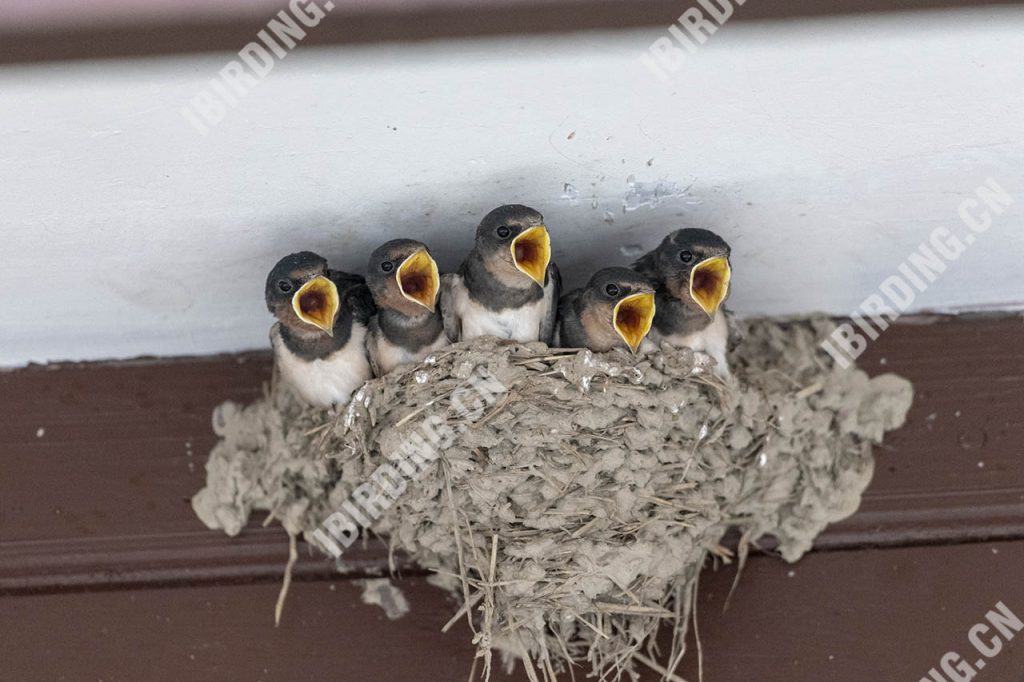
(507, 287)
(615, 310)
(319, 340)
(405, 284)
(691, 272)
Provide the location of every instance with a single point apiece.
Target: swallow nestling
(507, 287)
(615, 310)
(320, 337)
(405, 284)
(691, 271)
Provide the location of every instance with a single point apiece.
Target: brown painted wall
(165, 27)
(105, 573)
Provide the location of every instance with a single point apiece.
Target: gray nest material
(574, 512)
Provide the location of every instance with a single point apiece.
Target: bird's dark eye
(284, 286)
(685, 256)
(387, 266)
(503, 231)
(612, 290)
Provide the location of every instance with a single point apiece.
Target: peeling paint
(650, 194)
(570, 194)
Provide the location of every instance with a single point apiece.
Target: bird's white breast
(390, 355)
(518, 324)
(328, 381)
(712, 340)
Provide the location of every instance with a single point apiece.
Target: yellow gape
(531, 252)
(317, 303)
(632, 318)
(709, 283)
(418, 279)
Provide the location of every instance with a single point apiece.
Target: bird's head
(301, 296)
(693, 264)
(403, 276)
(514, 244)
(620, 302)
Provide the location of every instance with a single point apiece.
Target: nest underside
(572, 508)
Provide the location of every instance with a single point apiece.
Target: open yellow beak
(531, 252)
(709, 283)
(317, 303)
(418, 279)
(632, 318)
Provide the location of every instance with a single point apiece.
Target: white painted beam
(824, 150)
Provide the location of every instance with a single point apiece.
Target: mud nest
(572, 512)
